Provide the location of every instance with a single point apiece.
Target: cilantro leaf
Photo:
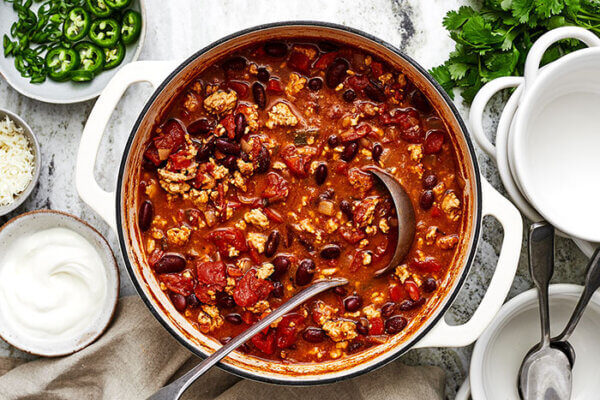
(477, 31)
(547, 8)
(442, 75)
(521, 9)
(455, 19)
(457, 70)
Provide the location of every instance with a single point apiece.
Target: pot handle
(534, 57)
(445, 335)
(98, 199)
(478, 107)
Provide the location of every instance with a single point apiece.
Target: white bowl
(499, 351)
(63, 92)
(43, 219)
(21, 197)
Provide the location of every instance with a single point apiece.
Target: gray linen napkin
(137, 356)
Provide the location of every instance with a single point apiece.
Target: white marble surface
(176, 29)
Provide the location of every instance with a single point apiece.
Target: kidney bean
(352, 303)
(407, 305)
(229, 162)
(305, 272)
(327, 194)
(281, 264)
(200, 127)
(395, 324)
(426, 199)
(349, 151)
(306, 243)
(258, 92)
(346, 208)
(178, 301)
(275, 49)
(340, 290)
(375, 92)
(206, 150)
(429, 284)
(227, 147)
(240, 125)
(333, 141)
(377, 151)
(420, 101)
(433, 142)
(263, 160)
(277, 291)
(388, 309)
(362, 326)
(170, 263)
(321, 174)
(145, 215)
(235, 64)
(272, 243)
(224, 300)
(349, 95)
(315, 84)
(225, 340)
(234, 318)
(336, 72)
(313, 334)
(331, 252)
(429, 181)
(263, 75)
(327, 46)
(354, 346)
(193, 301)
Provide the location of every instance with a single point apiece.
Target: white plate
(43, 219)
(62, 92)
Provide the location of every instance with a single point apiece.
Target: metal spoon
(174, 390)
(592, 283)
(546, 372)
(406, 217)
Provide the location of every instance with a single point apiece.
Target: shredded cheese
(16, 161)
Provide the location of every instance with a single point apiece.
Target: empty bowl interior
(557, 144)
(519, 330)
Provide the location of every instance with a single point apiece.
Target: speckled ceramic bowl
(43, 219)
(37, 156)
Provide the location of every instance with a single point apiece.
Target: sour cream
(52, 285)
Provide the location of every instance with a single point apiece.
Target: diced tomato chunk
(212, 273)
(229, 124)
(155, 257)
(274, 86)
(171, 138)
(413, 290)
(326, 59)
(296, 162)
(277, 188)
(397, 293)
(429, 264)
(206, 293)
(264, 342)
(179, 161)
(375, 326)
(351, 235)
(178, 283)
(299, 62)
(355, 133)
(436, 212)
(250, 289)
(224, 238)
(287, 330)
(409, 123)
(273, 215)
(151, 154)
(377, 69)
(433, 142)
(358, 82)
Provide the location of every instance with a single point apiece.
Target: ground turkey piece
(295, 84)
(281, 114)
(209, 318)
(257, 217)
(451, 206)
(220, 102)
(257, 241)
(178, 236)
(340, 330)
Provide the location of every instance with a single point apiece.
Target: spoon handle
(174, 390)
(592, 282)
(541, 268)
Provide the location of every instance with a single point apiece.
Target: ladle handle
(541, 268)
(592, 283)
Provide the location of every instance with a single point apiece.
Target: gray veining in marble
(178, 28)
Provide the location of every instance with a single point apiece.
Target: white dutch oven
(119, 209)
(545, 170)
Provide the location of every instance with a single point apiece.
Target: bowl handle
(534, 57)
(445, 335)
(464, 391)
(478, 107)
(98, 199)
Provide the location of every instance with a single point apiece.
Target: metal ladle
(545, 373)
(406, 218)
(174, 390)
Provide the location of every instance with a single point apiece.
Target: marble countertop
(184, 26)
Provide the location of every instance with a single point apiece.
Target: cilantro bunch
(494, 40)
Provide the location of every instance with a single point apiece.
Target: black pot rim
(450, 297)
